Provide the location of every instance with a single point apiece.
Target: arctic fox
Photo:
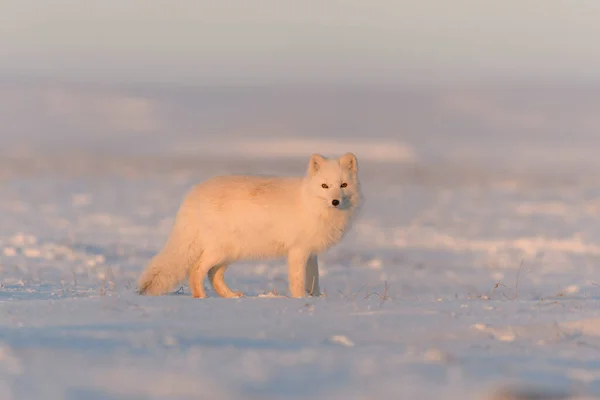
(231, 218)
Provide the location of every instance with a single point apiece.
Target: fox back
(265, 216)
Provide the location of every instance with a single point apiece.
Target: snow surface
(472, 270)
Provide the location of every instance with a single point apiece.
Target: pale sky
(253, 41)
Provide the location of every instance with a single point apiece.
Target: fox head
(334, 181)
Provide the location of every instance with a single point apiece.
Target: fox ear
(349, 161)
(315, 163)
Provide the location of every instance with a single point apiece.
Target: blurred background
(508, 85)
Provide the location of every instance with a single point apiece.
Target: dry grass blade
(353, 297)
(383, 297)
(517, 283)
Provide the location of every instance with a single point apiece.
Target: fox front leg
(312, 276)
(297, 260)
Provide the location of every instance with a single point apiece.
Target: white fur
(232, 218)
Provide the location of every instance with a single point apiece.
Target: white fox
(231, 218)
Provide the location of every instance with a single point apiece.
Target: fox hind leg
(216, 276)
(196, 283)
(198, 272)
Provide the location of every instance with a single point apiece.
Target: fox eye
(344, 185)
(324, 186)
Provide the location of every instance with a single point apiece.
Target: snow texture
(471, 273)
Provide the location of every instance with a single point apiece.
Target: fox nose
(335, 202)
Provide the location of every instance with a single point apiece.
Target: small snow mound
(21, 240)
(504, 335)
(437, 356)
(341, 340)
(375, 263)
(9, 251)
(31, 252)
(170, 341)
(571, 289)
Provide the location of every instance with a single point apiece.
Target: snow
(464, 277)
